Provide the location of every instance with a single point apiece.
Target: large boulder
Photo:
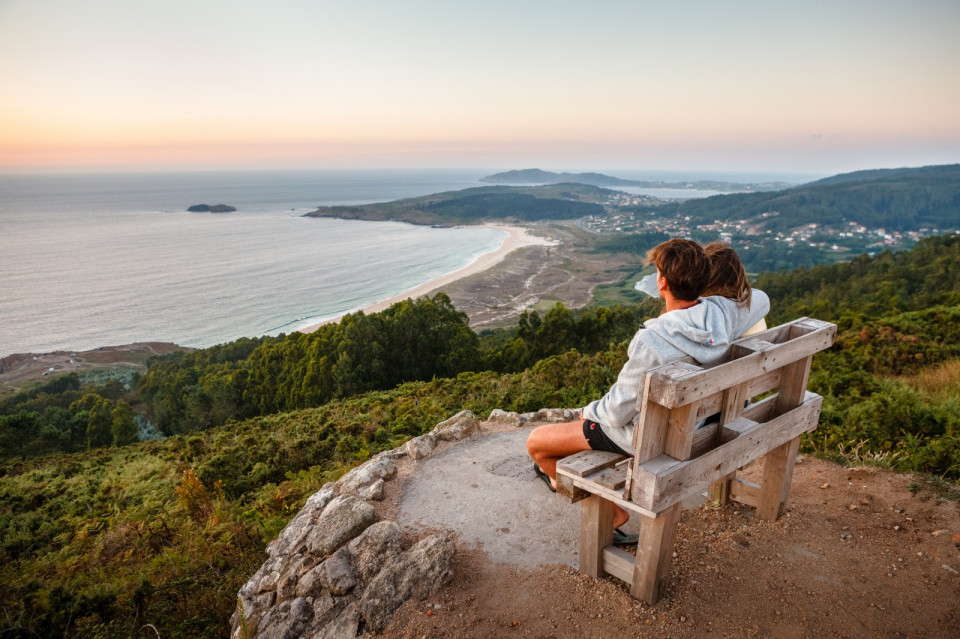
(343, 519)
(419, 572)
(458, 427)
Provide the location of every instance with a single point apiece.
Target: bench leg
(719, 491)
(777, 475)
(654, 553)
(596, 533)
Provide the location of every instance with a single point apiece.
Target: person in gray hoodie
(694, 326)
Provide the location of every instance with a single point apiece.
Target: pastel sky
(819, 86)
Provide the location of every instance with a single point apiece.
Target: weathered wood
(744, 492)
(618, 563)
(670, 392)
(731, 408)
(777, 475)
(612, 478)
(596, 533)
(674, 459)
(649, 434)
(680, 427)
(659, 490)
(654, 552)
(588, 462)
(568, 491)
(615, 496)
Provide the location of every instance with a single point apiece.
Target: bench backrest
(673, 455)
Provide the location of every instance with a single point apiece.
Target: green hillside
(897, 200)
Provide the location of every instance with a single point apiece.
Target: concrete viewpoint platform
(484, 490)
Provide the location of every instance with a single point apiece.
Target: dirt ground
(856, 554)
(532, 275)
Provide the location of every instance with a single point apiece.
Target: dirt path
(856, 555)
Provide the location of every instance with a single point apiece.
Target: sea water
(89, 260)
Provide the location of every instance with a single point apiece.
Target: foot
(545, 477)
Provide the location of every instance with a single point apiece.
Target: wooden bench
(675, 459)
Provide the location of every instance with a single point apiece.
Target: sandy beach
(517, 237)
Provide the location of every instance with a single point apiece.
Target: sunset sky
(806, 86)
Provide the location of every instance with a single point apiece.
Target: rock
(527, 417)
(300, 526)
(420, 447)
(364, 475)
(309, 584)
(502, 416)
(378, 546)
(216, 208)
(345, 626)
(374, 492)
(342, 520)
(555, 415)
(336, 575)
(287, 620)
(419, 573)
(458, 427)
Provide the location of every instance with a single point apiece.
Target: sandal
(545, 477)
(621, 538)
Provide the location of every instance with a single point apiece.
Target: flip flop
(545, 477)
(624, 539)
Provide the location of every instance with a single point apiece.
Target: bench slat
(588, 462)
(671, 391)
(661, 484)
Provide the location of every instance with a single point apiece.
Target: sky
(770, 85)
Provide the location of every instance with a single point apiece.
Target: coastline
(517, 237)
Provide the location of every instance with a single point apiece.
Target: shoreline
(517, 237)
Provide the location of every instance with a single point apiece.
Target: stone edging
(335, 571)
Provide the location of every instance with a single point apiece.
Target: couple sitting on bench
(708, 305)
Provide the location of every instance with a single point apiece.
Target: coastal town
(841, 242)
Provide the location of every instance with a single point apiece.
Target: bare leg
(550, 443)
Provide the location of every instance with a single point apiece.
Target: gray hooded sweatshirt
(703, 331)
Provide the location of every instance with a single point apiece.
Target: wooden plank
(680, 427)
(672, 393)
(588, 461)
(653, 554)
(596, 533)
(611, 478)
(649, 433)
(745, 492)
(761, 384)
(619, 563)
(568, 491)
(615, 496)
(777, 475)
(657, 491)
(793, 386)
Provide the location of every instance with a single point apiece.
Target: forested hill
(476, 205)
(897, 200)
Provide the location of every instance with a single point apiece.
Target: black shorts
(598, 439)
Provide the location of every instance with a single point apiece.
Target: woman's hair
(727, 277)
(684, 265)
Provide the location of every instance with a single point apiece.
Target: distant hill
(537, 176)
(894, 199)
(472, 206)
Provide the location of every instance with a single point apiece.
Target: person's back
(728, 279)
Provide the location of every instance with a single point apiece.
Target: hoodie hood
(697, 331)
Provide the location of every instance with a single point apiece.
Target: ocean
(90, 260)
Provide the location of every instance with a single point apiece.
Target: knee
(534, 442)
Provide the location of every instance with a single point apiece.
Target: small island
(216, 208)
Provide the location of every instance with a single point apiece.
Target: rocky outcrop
(216, 208)
(336, 571)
